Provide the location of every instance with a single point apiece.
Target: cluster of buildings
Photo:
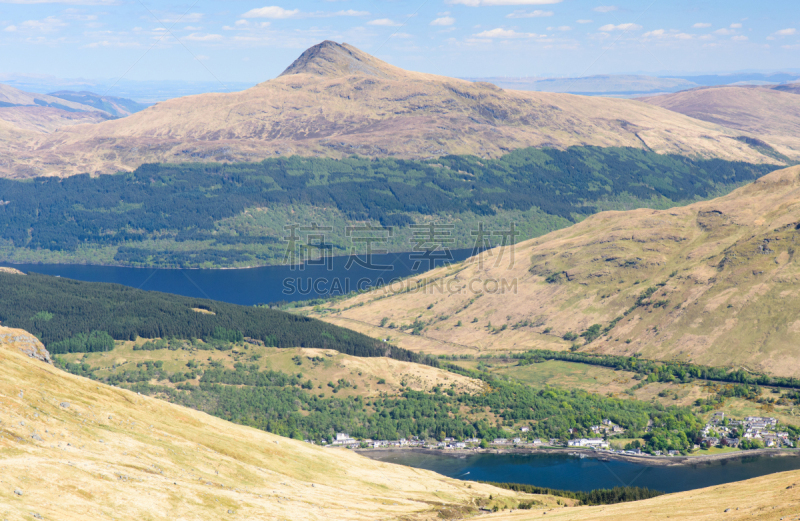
(343, 439)
(607, 427)
(717, 432)
(763, 429)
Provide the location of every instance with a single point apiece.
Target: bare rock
(25, 342)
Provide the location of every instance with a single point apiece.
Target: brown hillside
(793, 88)
(767, 113)
(47, 119)
(75, 449)
(14, 96)
(31, 116)
(336, 100)
(725, 271)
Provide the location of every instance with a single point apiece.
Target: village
(750, 432)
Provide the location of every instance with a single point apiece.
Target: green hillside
(73, 316)
(214, 215)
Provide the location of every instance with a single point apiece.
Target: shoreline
(665, 461)
(256, 266)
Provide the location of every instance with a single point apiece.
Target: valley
(709, 283)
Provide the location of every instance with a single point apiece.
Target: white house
(596, 443)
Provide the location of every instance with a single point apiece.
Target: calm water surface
(564, 472)
(254, 285)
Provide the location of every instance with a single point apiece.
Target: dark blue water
(255, 285)
(560, 471)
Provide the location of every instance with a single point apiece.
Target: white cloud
(74, 14)
(192, 28)
(657, 32)
(351, 12)
(701, 25)
(477, 3)
(10, 28)
(605, 8)
(585, 21)
(169, 18)
(736, 26)
(538, 13)
(444, 21)
(786, 32)
(47, 25)
(108, 43)
(274, 12)
(683, 36)
(385, 22)
(505, 33)
(621, 27)
(564, 28)
(197, 37)
(723, 31)
(739, 38)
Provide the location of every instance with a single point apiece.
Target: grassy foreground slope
(72, 448)
(715, 283)
(78, 449)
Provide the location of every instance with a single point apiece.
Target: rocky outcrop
(10, 270)
(25, 342)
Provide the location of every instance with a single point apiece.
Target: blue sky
(246, 41)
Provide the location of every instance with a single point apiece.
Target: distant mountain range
(335, 101)
(50, 112)
(119, 107)
(768, 113)
(637, 85)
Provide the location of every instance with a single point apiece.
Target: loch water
(564, 472)
(264, 285)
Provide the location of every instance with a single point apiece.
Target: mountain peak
(334, 59)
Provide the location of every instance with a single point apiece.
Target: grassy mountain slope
(336, 101)
(775, 496)
(768, 114)
(713, 282)
(47, 119)
(318, 365)
(77, 449)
